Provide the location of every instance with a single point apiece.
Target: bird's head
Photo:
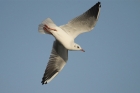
(77, 47)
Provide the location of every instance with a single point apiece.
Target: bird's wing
(84, 22)
(57, 61)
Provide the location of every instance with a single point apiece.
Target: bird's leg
(46, 30)
(46, 27)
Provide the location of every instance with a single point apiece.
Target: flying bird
(64, 39)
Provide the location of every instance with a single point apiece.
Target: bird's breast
(63, 38)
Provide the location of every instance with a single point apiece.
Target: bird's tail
(47, 22)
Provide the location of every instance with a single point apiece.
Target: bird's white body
(65, 39)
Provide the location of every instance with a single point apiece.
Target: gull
(64, 39)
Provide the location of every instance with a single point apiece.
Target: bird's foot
(46, 27)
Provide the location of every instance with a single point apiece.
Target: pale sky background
(111, 63)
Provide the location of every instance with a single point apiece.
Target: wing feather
(57, 61)
(84, 22)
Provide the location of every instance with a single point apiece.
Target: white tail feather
(49, 23)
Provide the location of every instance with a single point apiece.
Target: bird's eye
(77, 46)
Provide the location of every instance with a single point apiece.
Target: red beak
(82, 50)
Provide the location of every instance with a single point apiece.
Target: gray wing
(84, 22)
(57, 61)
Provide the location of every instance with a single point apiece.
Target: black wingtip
(43, 83)
(99, 4)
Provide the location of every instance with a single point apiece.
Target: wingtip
(43, 82)
(99, 4)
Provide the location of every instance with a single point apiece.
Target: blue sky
(111, 63)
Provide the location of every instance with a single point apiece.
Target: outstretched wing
(57, 61)
(84, 22)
